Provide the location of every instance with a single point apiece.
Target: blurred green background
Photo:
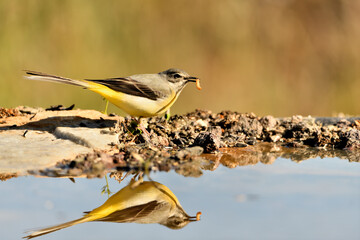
(278, 57)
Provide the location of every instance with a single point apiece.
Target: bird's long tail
(56, 228)
(32, 75)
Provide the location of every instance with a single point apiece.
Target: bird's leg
(167, 115)
(134, 183)
(143, 131)
(119, 176)
(106, 188)
(142, 127)
(106, 106)
(137, 128)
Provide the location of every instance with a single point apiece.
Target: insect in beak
(195, 218)
(196, 80)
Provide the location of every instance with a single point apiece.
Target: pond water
(313, 199)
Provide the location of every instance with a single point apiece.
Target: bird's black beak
(195, 80)
(191, 79)
(194, 218)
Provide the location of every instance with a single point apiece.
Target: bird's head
(178, 78)
(180, 219)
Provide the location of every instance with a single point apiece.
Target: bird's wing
(129, 86)
(132, 214)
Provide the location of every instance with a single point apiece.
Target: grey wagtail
(141, 95)
(148, 202)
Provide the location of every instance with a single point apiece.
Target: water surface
(313, 199)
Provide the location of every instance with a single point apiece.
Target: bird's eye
(176, 75)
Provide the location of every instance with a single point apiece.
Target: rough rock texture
(231, 129)
(37, 149)
(88, 142)
(34, 138)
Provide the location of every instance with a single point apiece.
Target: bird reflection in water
(138, 202)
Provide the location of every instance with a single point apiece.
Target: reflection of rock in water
(189, 162)
(139, 202)
(6, 176)
(235, 158)
(267, 153)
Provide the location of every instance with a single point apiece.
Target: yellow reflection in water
(138, 202)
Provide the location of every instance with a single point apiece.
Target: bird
(140, 95)
(145, 202)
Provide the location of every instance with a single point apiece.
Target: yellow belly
(134, 105)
